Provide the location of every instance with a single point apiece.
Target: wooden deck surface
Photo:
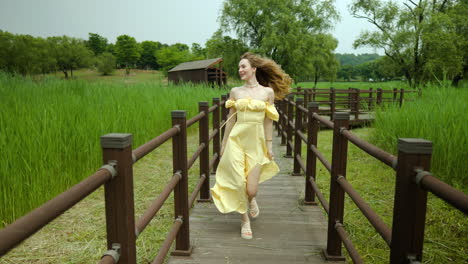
(285, 232)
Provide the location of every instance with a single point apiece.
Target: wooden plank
(285, 232)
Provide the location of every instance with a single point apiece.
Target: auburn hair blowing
(270, 74)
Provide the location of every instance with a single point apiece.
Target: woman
(246, 151)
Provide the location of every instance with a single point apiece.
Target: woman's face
(246, 71)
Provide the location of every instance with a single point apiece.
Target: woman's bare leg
(252, 182)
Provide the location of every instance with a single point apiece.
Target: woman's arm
(268, 126)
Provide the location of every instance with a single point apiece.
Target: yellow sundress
(245, 148)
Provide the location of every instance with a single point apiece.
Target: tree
(198, 51)
(324, 63)
(96, 43)
(228, 48)
(70, 53)
(283, 30)
(148, 58)
(127, 51)
(106, 63)
(169, 57)
(411, 35)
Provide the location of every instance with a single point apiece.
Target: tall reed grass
(49, 130)
(440, 116)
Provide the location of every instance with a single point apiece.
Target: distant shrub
(106, 63)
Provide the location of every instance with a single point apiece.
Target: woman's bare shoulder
(233, 93)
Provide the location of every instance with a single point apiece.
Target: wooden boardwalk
(285, 232)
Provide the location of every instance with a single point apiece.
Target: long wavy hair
(270, 74)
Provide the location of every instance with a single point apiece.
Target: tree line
(27, 55)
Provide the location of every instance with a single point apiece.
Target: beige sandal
(246, 232)
(254, 210)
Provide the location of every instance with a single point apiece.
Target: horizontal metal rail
(195, 155)
(301, 163)
(373, 218)
(212, 108)
(442, 190)
(153, 209)
(149, 146)
(195, 192)
(319, 195)
(372, 150)
(168, 242)
(29, 224)
(320, 156)
(348, 244)
(327, 123)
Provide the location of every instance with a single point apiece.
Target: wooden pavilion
(209, 71)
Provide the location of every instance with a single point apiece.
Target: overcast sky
(167, 21)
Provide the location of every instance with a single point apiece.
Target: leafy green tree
(96, 43)
(127, 51)
(148, 59)
(283, 30)
(169, 57)
(106, 63)
(415, 36)
(228, 48)
(198, 51)
(70, 53)
(347, 72)
(323, 60)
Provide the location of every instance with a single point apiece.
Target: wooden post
(332, 103)
(402, 92)
(289, 130)
(350, 98)
(409, 210)
(314, 91)
(297, 138)
(311, 168)
(284, 113)
(338, 169)
(277, 124)
(179, 156)
(217, 137)
(379, 96)
(203, 136)
(120, 212)
(370, 99)
(357, 103)
(224, 113)
(395, 93)
(306, 101)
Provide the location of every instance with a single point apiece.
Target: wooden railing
(352, 100)
(117, 177)
(413, 180)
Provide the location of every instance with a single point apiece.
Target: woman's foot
(254, 210)
(246, 232)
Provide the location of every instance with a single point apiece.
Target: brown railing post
(370, 99)
(395, 93)
(402, 92)
(357, 103)
(216, 138)
(277, 124)
(332, 103)
(120, 212)
(224, 113)
(179, 157)
(297, 138)
(350, 98)
(306, 101)
(314, 91)
(311, 167)
(379, 96)
(289, 129)
(409, 210)
(203, 136)
(338, 169)
(284, 112)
